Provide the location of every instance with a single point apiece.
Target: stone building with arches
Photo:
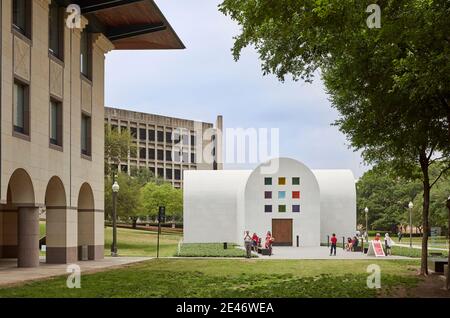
(52, 119)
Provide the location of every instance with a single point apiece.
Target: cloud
(203, 81)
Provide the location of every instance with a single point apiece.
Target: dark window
(151, 135)
(192, 140)
(267, 194)
(160, 136)
(142, 134)
(169, 155)
(124, 168)
(161, 172)
(22, 16)
(56, 30)
(56, 123)
(133, 132)
(21, 108)
(169, 137)
(151, 154)
(296, 181)
(268, 208)
(142, 153)
(296, 208)
(114, 127)
(123, 128)
(160, 154)
(169, 174)
(86, 54)
(86, 135)
(268, 181)
(193, 159)
(177, 174)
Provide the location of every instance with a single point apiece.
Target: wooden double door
(282, 232)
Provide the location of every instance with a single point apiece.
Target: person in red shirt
(333, 241)
(255, 240)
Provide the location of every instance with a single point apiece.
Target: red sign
(376, 249)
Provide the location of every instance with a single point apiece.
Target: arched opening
(86, 223)
(20, 221)
(60, 225)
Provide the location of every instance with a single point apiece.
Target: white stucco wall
(306, 224)
(337, 203)
(211, 205)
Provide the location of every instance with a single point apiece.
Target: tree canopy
(389, 84)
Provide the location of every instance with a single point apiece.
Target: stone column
(61, 235)
(28, 237)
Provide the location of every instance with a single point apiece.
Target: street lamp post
(115, 190)
(366, 210)
(410, 206)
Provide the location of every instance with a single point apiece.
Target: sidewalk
(10, 274)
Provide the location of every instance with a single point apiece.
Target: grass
(137, 242)
(143, 243)
(211, 250)
(231, 278)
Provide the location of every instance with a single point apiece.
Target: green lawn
(142, 243)
(138, 242)
(231, 278)
(211, 250)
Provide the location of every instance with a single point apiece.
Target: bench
(437, 264)
(263, 251)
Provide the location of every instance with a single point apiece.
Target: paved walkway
(320, 253)
(11, 275)
(419, 247)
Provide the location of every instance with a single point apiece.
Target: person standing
(333, 241)
(400, 235)
(269, 242)
(388, 244)
(248, 244)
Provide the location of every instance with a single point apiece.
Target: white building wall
(306, 224)
(211, 205)
(337, 203)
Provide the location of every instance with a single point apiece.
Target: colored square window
(295, 181)
(296, 208)
(268, 181)
(268, 208)
(281, 194)
(267, 194)
(281, 181)
(282, 208)
(295, 194)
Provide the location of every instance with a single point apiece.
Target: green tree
(390, 85)
(129, 204)
(117, 147)
(154, 195)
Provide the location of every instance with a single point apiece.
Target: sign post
(161, 218)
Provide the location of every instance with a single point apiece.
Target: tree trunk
(134, 224)
(424, 165)
(448, 264)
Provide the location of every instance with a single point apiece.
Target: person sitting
(348, 245)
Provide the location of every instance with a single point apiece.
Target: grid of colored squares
(282, 181)
(282, 195)
(282, 208)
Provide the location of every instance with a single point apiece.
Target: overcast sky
(203, 81)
